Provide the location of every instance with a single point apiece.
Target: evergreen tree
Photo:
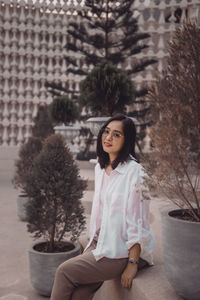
(109, 29)
(55, 188)
(106, 90)
(27, 153)
(106, 30)
(64, 110)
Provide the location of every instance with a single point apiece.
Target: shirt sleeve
(137, 216)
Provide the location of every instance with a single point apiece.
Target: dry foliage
(175, 135)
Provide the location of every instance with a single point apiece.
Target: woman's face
(113, 138)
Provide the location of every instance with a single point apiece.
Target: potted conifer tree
(41, 129)
(105, 91)
(174, 165)
(55, 212)
(23, 165)
(64, 113)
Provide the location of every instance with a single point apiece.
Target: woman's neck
(108, 169)
(112, 158)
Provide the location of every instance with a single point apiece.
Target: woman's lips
(107, 144)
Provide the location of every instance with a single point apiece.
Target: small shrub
(55, 188)
(24, 163)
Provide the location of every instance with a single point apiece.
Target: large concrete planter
(43, 267)
(96, 123)
(181, 254)
(22, 200)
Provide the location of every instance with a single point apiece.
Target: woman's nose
(109, 136)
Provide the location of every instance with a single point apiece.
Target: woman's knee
(59, 271)
(63, 268)
(63, 285)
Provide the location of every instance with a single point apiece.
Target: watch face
(133, 261)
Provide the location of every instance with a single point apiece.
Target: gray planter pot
(43, 267)
(181, 254)
(22, 200)
(96, 123)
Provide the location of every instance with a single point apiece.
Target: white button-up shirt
(125, 214)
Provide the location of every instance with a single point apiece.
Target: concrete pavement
(15, 241)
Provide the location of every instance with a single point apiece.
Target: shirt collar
(121, 168)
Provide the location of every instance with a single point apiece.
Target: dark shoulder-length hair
(129, 142)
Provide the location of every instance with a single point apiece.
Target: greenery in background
(107, 31)
(24, 163)
(54, 188)
(43, 124)
(175, 98)
(64, 110)
(106, 90)
(110, 30)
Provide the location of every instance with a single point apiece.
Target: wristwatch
(133, 261)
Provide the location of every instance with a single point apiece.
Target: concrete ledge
(148, 285)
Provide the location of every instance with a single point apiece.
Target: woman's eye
(106, 131)
(117, 135)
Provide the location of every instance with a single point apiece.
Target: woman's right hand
(128, 275)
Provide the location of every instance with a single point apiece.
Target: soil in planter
(183, 215)
(59, 247)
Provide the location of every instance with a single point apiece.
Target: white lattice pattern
(32, 39)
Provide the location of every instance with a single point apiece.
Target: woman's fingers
(126, 283)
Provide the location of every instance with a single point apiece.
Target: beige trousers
(80, 277)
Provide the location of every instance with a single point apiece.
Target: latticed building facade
(32, 39)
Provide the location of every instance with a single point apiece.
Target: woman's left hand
(128, 275)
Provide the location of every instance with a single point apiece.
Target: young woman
(120, 234)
